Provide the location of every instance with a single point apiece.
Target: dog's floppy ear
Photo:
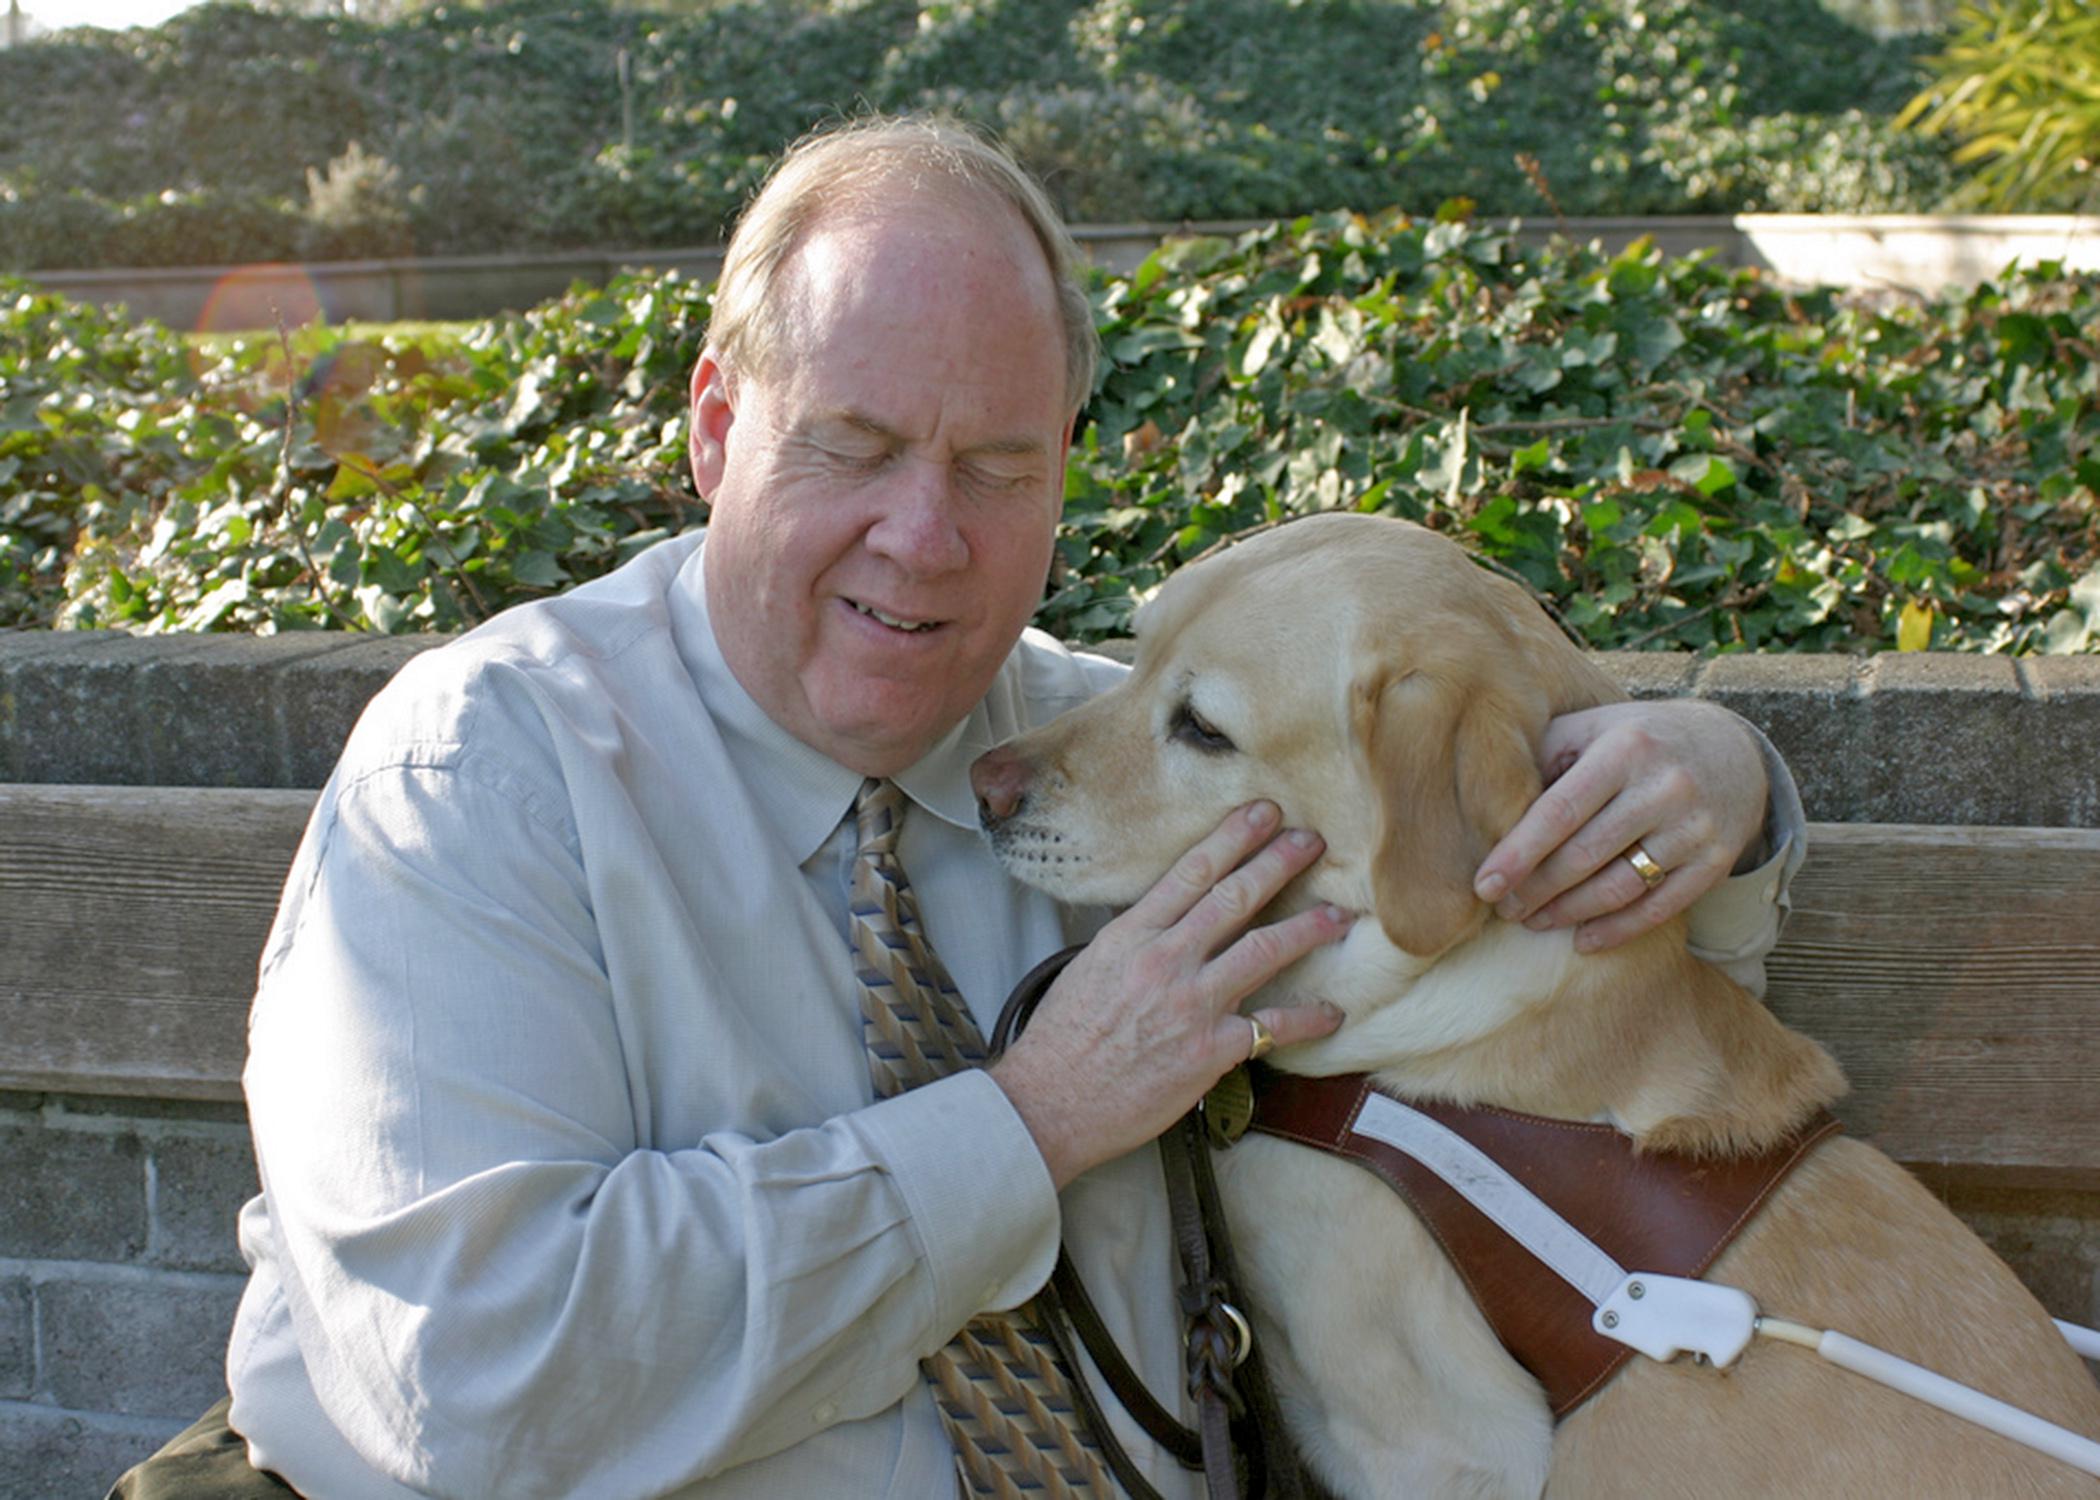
(1453, 765)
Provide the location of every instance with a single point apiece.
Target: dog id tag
(1229, 1108)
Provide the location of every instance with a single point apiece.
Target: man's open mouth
(891, 620)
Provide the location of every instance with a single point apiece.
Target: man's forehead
(936, 237)
(871, 313)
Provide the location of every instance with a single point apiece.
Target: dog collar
(1665, 1213)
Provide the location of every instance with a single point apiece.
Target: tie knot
(877, 812)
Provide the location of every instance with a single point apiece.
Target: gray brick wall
(119, 1275)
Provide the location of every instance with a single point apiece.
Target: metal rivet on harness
(1610, 1320)
(1635, 1290)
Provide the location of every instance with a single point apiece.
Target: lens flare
(260, 297)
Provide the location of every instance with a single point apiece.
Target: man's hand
(1682, 779)
(1145, 1020)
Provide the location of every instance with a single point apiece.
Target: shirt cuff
(1739, 918)
(1736, 924)
(980, 1199)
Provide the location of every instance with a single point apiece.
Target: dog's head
(1363, 674)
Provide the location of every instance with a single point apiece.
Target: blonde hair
(846, 166)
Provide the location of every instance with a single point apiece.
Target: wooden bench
(1955, 972)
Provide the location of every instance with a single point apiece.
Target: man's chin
(879, 738)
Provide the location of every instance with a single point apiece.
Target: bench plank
(1955, 972)
(131, 919)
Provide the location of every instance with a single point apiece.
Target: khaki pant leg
(207, 1460)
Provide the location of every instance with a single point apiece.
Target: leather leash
(1238, 1418)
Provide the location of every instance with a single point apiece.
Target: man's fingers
(1590, 851)
(1615, 884)
(1286, 1026)
(1660, 815)
(1198, 872)
(1630, 920)
(1683, 781)
(1142, 1022)
(1260, 955)
(1615, 904)
(1564, 807)
(1235, 901)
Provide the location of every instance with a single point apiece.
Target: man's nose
(1000, 779)
(916, 529)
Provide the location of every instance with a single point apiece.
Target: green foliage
(80, 394)
(507, 127)
(2019, 81)
(393, 484)
(1674, 453)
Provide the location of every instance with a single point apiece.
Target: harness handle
(2001, 1417)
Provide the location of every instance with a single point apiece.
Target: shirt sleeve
(1736, 925)
(495, 1290)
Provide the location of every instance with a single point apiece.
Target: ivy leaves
(1675, 453)
(408, 483)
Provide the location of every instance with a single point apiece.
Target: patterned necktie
(1003, 1397)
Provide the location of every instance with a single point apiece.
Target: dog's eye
(1192, 728)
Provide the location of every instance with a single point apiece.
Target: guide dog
(1383, 689)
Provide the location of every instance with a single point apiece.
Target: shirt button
(825, 1414)
(990, 1295)
(1771, 890)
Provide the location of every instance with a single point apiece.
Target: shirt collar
(800, 792)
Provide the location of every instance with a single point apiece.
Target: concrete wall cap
(1652, 674)
(1935, 738)
(2061, 676)
(1818, 676)
(1947, 672)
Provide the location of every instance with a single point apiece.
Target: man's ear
(1452, 766)
(708, 420)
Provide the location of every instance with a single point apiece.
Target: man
(573, 1184)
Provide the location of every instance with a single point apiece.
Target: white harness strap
(1518, 1212)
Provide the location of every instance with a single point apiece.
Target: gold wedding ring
(1264, 1039)
(1644, 866)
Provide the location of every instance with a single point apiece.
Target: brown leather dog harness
(1659, 1212)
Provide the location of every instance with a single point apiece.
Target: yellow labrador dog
(1379, 687)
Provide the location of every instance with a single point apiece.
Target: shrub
(512, 123)
(2019, 82)
(45, 227)
(1674, 453)
(88, 434)
(376, 485)
(358, 208)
